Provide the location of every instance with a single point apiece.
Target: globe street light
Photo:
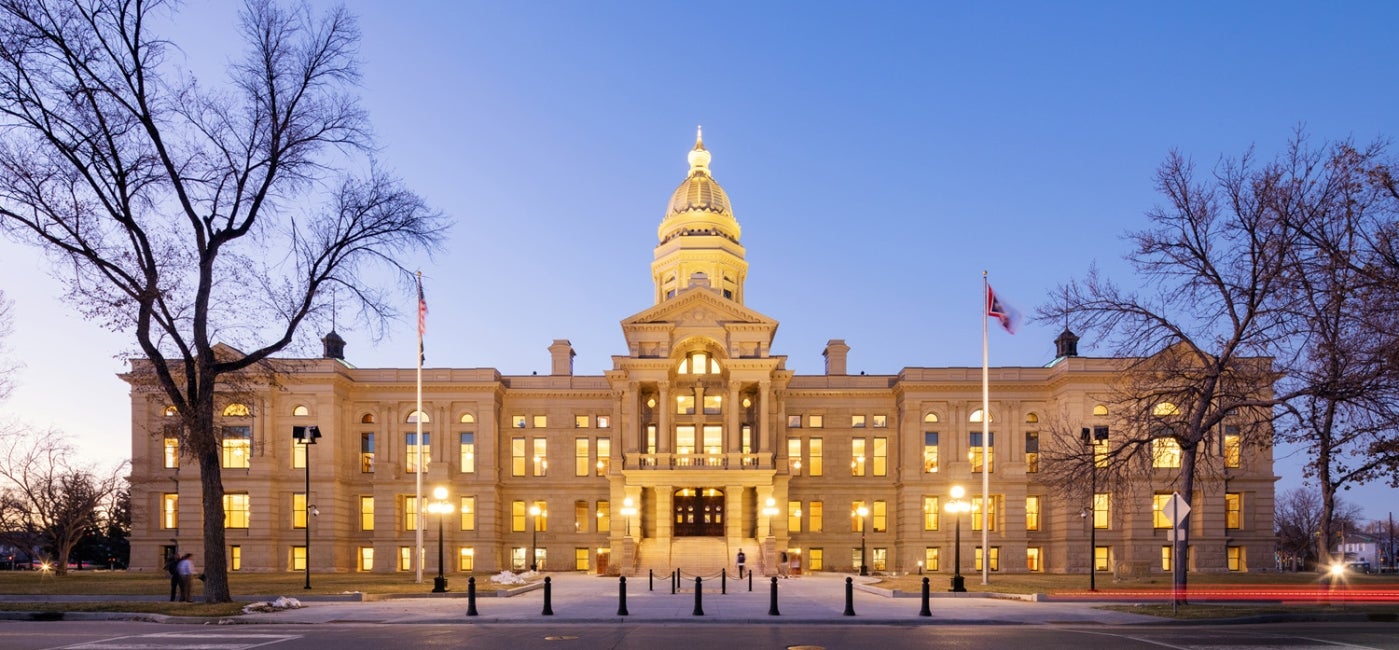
(862, 512)
(306, 436)
(441, 507)
(957, 506)
(534, 513)
(628, 511)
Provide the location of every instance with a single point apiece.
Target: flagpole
(985, 433)
(418, 440)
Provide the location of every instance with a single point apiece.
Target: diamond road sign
(1175, 509)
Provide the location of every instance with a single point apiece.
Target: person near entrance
(740, 560)
(782, 565)
(172, 567)
(185, 572)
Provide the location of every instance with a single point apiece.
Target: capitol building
(697, 443)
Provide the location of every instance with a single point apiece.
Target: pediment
(699, 307)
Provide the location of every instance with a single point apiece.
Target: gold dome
(699, 206)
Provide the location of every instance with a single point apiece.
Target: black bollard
(750, 581)
(622, 596)
(772, 600)
(674, 577)
(699, 597)
(723, 581)
(548, 597)
(471, 596)
(926, 611)
(849, 596)
(650, 580)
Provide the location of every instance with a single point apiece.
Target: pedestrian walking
(782, 565)
(172, 568)
(740, 560)
(185, 572)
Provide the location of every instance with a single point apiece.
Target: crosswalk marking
(185, 641)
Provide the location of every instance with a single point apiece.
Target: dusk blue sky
(878, 156)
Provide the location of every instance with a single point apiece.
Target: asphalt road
(125, 635)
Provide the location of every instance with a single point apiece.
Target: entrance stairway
(692, 555)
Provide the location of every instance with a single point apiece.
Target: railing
(698, 461)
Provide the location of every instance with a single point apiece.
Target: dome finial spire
(698, 157)
(699, 138)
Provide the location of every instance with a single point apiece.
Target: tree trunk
(1181, 547)
(208, 453)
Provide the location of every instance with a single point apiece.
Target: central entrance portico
(699, 512)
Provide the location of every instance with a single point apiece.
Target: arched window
(467, 418)
(417, 416)
(367, 418)
(236, 410)
(171, 411)
(1032, 418)
(300, 410)
(1100, 410)
(1165, 409)
(976, 417)
(699, 363)
(930, 418)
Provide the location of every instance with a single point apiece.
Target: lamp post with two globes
(441, 507)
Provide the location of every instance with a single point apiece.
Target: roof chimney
(562, 354)
(836, 351)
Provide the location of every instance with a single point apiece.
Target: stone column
(664, 444)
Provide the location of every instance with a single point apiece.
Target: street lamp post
(441, 507)
(862, 512)
(957, 506)
(534, 513)
(628, 511)
(1092, 437)
(306, 436)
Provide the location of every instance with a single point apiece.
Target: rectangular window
(713, 444)
(1032, 513)
(1032, 559)
(1166, 558)
(466, 559)
(857, 457)
(814, 451)
(974, 451)
(1102, 510)
(366, 558)
(541, 421)
(237, 447)
(581, 456)
(930, 513)
(1100, 448)
(856, 558)
(931, 561)
(713, 404)
(410, 513)
(1102, 558)
(1233, 510)
(235, 558)
(685, 404)
(794, 456)
(1032, 452)
(604, 516)
(236, 510)
(468, 453)
(881, 456)
(815, 559)
(815, 519)
(412, 449)
(172, 453)
(405, 558)
(580, 559)
(880, 516)
(1235, 557)
(650, 438)
(540, 514)
(794, 422)
(685, 441)
(995, 558)
(517, 421)
(745, 438)
(857, 421)
(816, 421)
(930, 452)
(541, 457)
(794, 517)
(366, 513)
(517, 456)
(298, 510)
(366, 453)
(298, 558)
(1159, 517)
(517, 558)
(604, 421)
(467, 508)
(881, 421)
(580, 516)
(580, 422)
(857, 520)
(604, 456)
(1165, 452)
(298, 454)
(169, 510)
(517, 516)
(879, 558)
(1233, 447)
(990, 517)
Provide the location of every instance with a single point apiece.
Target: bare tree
(192, 215)
(47, 500)
(1347, 405)
(1198, 339)
(1300, 521)
(7, 368)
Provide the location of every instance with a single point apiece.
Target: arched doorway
(699, 512)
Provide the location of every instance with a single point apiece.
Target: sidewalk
(818, 599)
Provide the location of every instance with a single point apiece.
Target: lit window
(235, 558)
(540, 422)
(366, 558)
(685, 404)
(879, 558)
(236, 510)
(416, 417)
(172, 452)
(169, 510)
(366, 513)
(604, 456)
(930, 513)
(237, 410)
(405, 558)
(171, 411)
(1165, 409)
(1100, 410)
(517, 456)
(298, 510)
(604, 421)
(974, 452)
(857, 421)
(881, 421)
(466, 559)
(816, 517)
(300, 410)
(580, 517)
(1233, 510)
(713, 404)
(298, 454)
(881, 456)
(410, 513)
(1032, 513)
(930, 452)
(1166, 558)
(976, 416)
(517, 421)
(794, 456)
(1160, 518)
(604, 516)
(1102, 558)
(794, 517)
(539, 511)
(412, 449)
(467, 418)
(298, 558)
(880, 516)
(814, 449)
(1032, 418)
(467, 507)
(468, 453)
(1165, 452)
(698, 363)
(930, 418)
(995, 558)
(1102, 510)
(366, 452)
(580, 422)
(1233, 447)
(237, 447)
(990, 517)
(1235, 557)
(815, 559)
(1032, 559)
(581, 457)
(816, 421)
(541, 457)
(580, 559)
(857, 457)
(930, 558)
(517, 516)
(1032, 452)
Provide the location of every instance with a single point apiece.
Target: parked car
(1358, 567)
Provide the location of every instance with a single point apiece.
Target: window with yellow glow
(995, 558)
(412, 449)
(857, 521)
(580, 559)
(1102, 510)
(931, 558)
(814, 452)
(794, 516)
(881, 456)
(582, 457)
(930, 452)
(794, 456)
(172, 452)
(541, 457)
(815, 516)
(698, 363)
(1160, 518)
(366, 558)
(237, 447)
(1166, 558)
(467, 507)
(713, 404)
(1165, 409)
(236, 410)
(236, 510)
(540, 421)
(685, 404)
(975, 451)
(816, 559)
(405, 558)
(881, 421)
(1102, 558)
(857, 457)
(466, 559)
(300, 411)
(816, 421)
(541, 520)
(1233, 447)
(604, 456)
(298, 558)
(990, 517)
(1032, 559)
(467, 453)
(517, 456)
(169, 510)
(879, 515)
(604, 516)
(298, 510)
(857, 421)
(1032, 452)
(581, 422)
(517, 516)
(1234, 556)
(410, 513)
(930, 513)
(1032, 513)
(580, 517)
(235, 558)
(1165, 453)
(366, 512)
(1233, 510)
